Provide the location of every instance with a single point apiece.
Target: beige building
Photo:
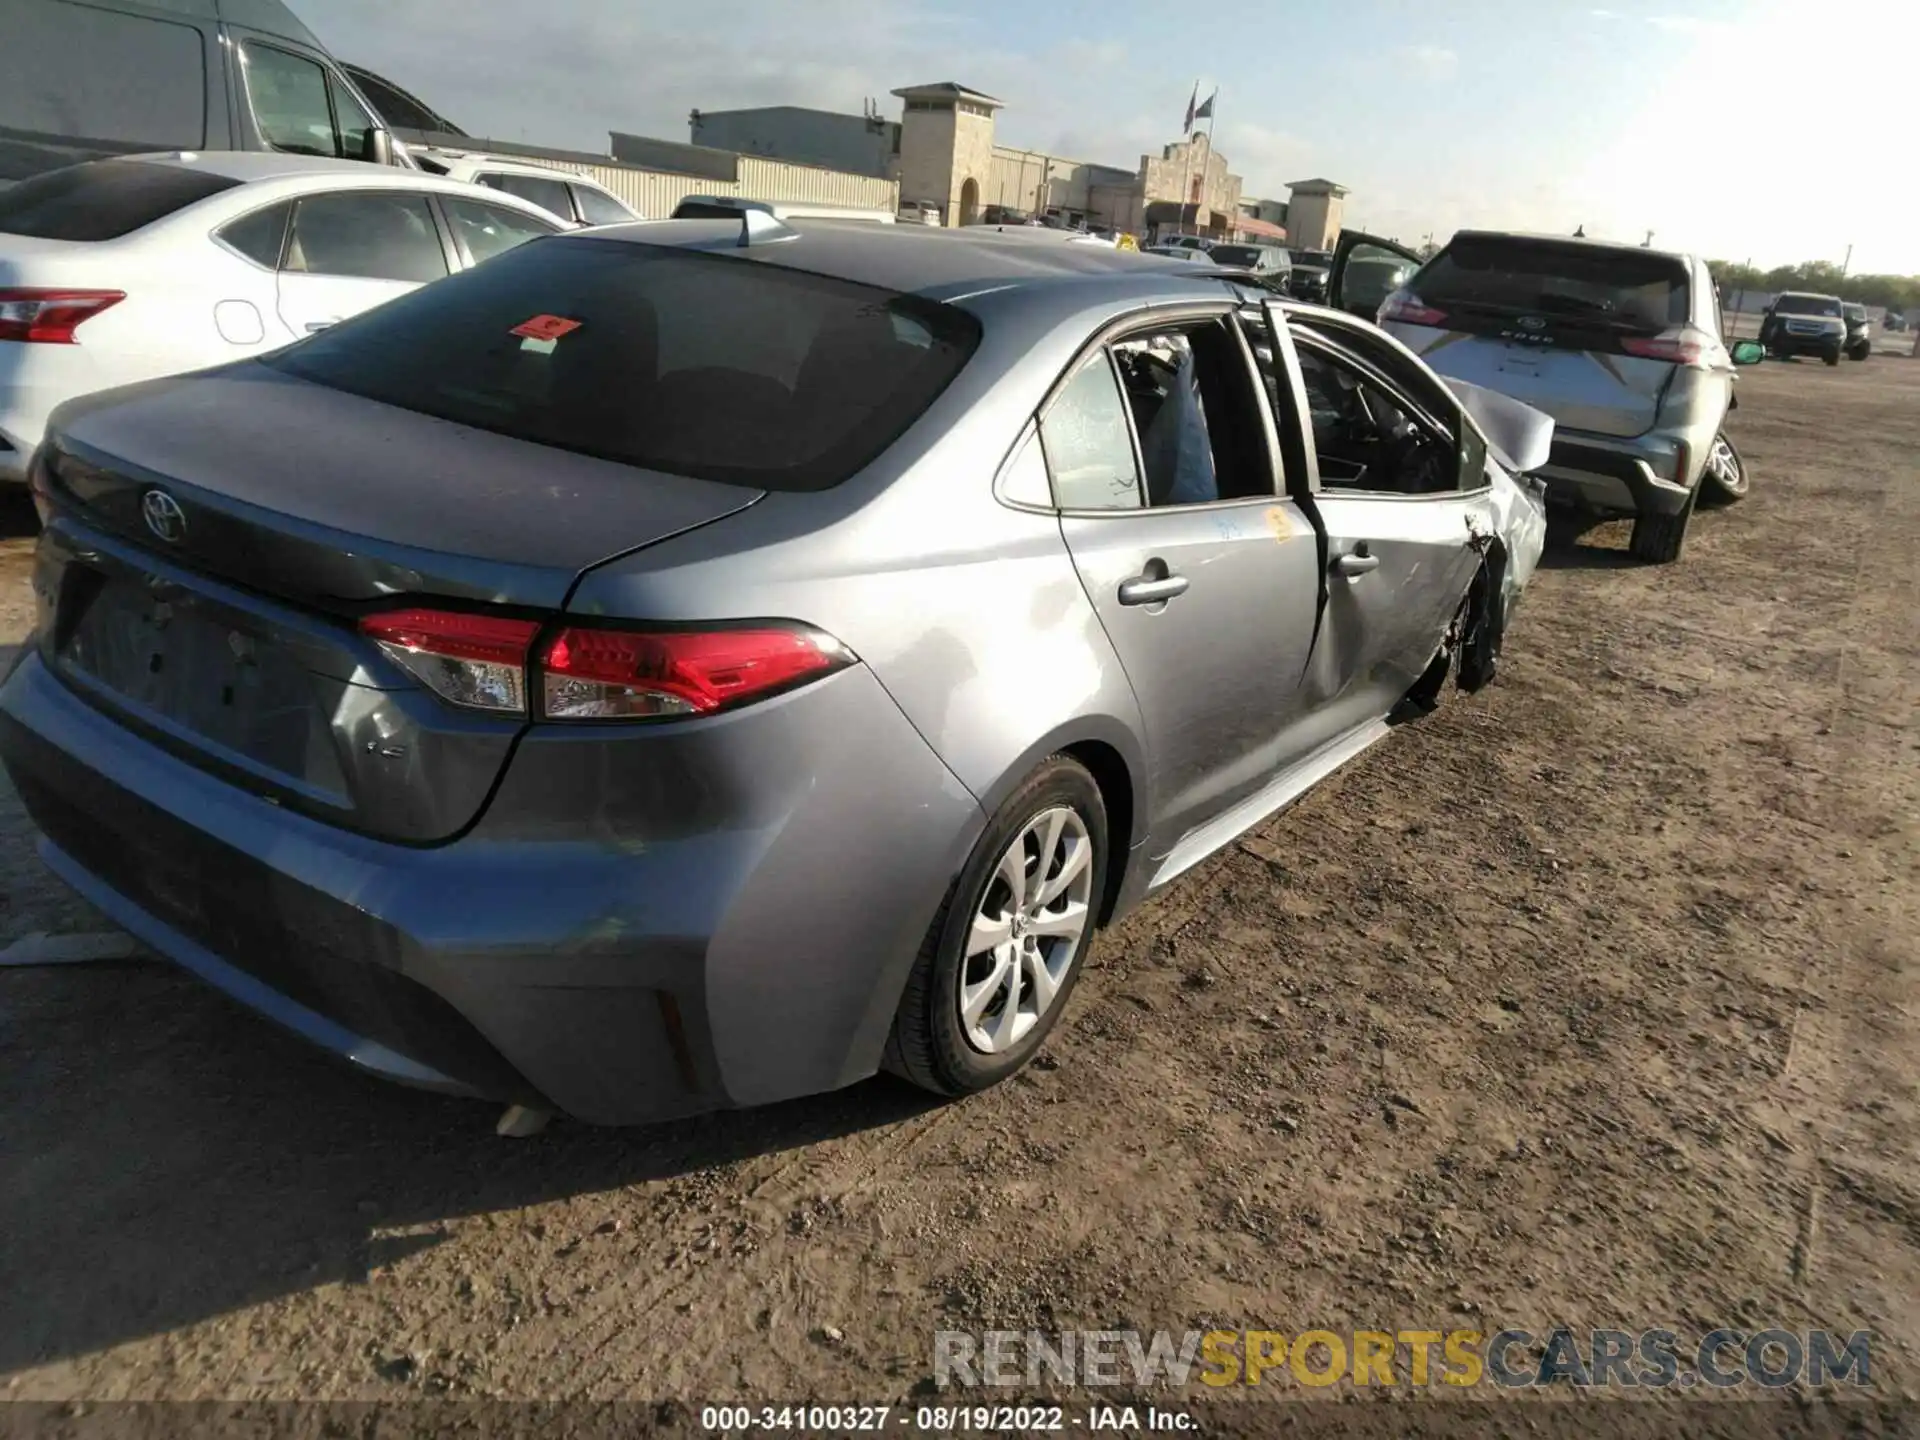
(1315, 209)
(946, 149)
(1076, 191)
(944, 157)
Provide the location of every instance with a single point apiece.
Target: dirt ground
(1592, 999)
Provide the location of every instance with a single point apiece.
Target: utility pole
(1844, 264)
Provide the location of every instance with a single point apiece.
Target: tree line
(1822, 277)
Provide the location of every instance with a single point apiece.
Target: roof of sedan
(935, 262)
(246, 165)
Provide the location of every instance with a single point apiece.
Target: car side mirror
(1748, 352)
(377, 149)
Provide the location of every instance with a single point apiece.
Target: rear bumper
(1615, 476)
(618, 964)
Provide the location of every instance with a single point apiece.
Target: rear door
(1578, 330)
(1204, 578)
(349, 250)
(1400, 488)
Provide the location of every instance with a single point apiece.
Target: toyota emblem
(164, 516)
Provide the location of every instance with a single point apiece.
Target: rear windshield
(1806, 305)
(1856, 312)
(102, 199)
(1321, 258)
(1236, 254)
(705, 365)
(1537, 277)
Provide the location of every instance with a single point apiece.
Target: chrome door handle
(1150, 590)
(1356, 564)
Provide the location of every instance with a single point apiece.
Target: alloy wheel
(1724, 463)
(1027, 931)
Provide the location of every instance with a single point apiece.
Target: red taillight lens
(590, 673)
(594, 674)
(1405, 306)
(49, 317)
(477, 661)
(1677, 347)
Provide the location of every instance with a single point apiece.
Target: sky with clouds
(1776, 130)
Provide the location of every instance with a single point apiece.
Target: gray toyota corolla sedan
(702, 662)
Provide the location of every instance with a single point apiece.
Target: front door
(1401, 493)
(350, 250)
(1365, 270)
(1204, 578)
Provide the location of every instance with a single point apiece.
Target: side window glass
(259, 236)
(549, 195)
(1023, 481)
(369, 235)
(487, 230)
(599, 208)
(1366, 437)
(1373, 272)
(289, 98)
(353, 122)
(1194, 409)
(1089, 450)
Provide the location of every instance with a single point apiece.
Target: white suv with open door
(1621, 344)
(128, 269)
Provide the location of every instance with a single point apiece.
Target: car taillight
(606, 674)
(481, 662)
(1407, 307)
(476, 661)
(1678, 347)
(49, 317)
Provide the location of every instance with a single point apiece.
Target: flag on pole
(1192, 114)
(1205, 112)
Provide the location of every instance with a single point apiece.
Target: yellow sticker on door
(1280, 523)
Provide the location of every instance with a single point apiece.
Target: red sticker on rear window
(546, 327)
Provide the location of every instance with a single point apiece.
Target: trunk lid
(328, 500)
(219, 621)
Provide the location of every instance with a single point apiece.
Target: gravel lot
(1592, 999)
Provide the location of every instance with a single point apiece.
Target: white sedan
(147, 265)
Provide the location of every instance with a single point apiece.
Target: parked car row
(689, 664)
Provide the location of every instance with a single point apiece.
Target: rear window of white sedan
(102, 199)
(720, 368)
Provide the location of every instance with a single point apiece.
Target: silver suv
(1622, 345)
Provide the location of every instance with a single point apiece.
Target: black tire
(1860, 352)
(928, 1045)
(1832, 357)
(1658, 539)
(1480, 650)
(1714, 490)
